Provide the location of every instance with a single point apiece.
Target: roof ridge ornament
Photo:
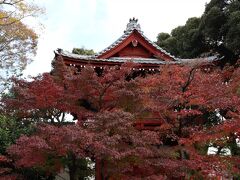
(133, 24)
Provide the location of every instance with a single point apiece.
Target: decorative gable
(133, 44)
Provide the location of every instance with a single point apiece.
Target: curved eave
(75, 59)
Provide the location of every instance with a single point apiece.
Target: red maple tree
(193, 108)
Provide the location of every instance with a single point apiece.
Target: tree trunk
(72, 167)
(100, 174)
(72, 174)
(235, 150)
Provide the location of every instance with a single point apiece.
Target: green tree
(162, 37)
(83, 51)
(184, 41)
(217, 31)
(10, 130)
(220, 28)
(232, 40)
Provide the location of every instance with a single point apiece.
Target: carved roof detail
(131, 27)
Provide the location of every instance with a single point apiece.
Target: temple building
(132, 46)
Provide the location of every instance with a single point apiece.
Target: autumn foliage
(86, 115)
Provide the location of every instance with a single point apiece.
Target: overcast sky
(95, 24)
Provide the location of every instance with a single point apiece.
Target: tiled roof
(114, 59)
(131, 26)
(88, 59)
(200, 60)
(141, 60)
(72, 55)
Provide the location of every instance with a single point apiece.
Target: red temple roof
(132, 46)
(133, 43)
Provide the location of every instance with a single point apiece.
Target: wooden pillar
(98, 170)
